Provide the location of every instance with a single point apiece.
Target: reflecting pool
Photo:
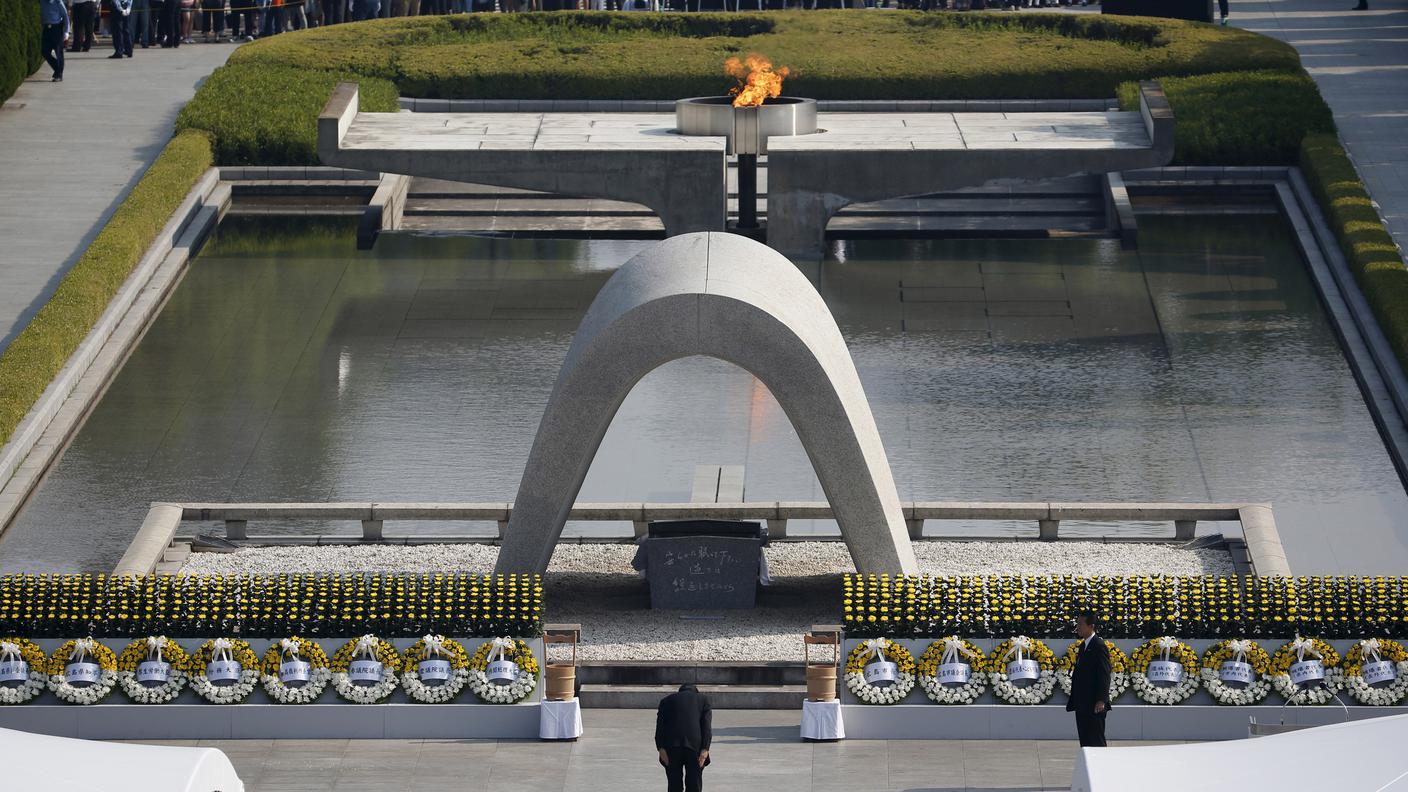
(290, 367)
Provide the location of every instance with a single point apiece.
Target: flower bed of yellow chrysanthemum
(1135, 606)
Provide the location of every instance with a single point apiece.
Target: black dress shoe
(115, 56)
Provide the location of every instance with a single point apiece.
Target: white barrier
(37, 761)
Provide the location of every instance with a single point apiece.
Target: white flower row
(91, 694)
(872, 694)
(307, 693)
(159, 694)
(966, 693)
(1119, 682)
(32, 686)
(435, 694)
(370, 694)
(491, 693)
(1151, 693)
(1387, 695)
(1038, 692)
(226, 694)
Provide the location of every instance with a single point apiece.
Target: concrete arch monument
(723, 296)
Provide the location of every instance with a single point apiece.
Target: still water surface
(290, 367)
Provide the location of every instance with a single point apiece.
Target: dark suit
(683, 728)
(1090, 683)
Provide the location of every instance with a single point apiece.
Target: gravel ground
(595, 586)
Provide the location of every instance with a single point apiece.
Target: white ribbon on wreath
(84, 650)
(1019, 645)
(306, 693)
(436, 694)
(1224, 693)
(157, 694)
(955, 651)
(1363, 692)
(33, 684)
(500, 694)
(223, 649)
(1304, 646)
(366, 647)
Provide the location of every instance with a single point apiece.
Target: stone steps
(768, 697)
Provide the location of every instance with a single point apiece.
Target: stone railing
(164, 520)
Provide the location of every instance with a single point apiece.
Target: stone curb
(61, 409)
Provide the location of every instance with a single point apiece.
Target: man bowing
(1090, 683)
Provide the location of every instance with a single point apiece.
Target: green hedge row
(1240, 118)
(268, 115)
(35, 356)
(272, 606)
(19, 44)
(1366, 243)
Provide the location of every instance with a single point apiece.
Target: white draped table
(821, 720)
(560, 720)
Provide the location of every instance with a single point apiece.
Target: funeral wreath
(23, 671)
(1023, 670)
(364, 670)
(1164, 670)
(1376, 672)
(295, 670)
(1237, 672)
(224, 671)
(1119, 668)
(953, 671)
(503, 671)
(84, 671)
(434, 670)
(152, 670)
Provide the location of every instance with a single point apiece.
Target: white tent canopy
(1364, 755)
(38, 761)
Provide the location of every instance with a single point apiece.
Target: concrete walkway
(1360, 61)
(71, 152)
(757, 750)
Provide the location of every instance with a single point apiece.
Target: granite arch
(728, 297)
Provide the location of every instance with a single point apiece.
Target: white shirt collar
(1086, 645)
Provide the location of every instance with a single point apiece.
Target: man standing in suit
(683, 731)
(1090, 683)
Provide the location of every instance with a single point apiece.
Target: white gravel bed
(785, 559)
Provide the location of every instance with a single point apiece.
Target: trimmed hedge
(1367, 245)
(832, 54)
(271, 606)
(268, 115)
(19, 44)
(1137, 606)
(37, 354)
(1240, 118)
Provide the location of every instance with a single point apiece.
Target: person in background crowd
(365, 9)
(118, 25)
(273, 23)
(139, 23)
(170, 28)
(297, 15)
(158, 10)
(1222, 8)
(242, 10)
(188, 20)
(1363, 6)
(85, 20)
(53, 34)
(212, 13)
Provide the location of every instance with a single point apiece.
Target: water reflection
(290, 367)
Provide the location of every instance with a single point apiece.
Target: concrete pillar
(1183, 530)
(371, 530)
(236, 529)
(1048, 530)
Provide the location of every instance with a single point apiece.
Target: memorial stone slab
(702, 572)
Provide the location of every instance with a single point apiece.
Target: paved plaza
(1360, 61)
(73, 150)
(752, 750)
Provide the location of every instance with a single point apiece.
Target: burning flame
(757, 82)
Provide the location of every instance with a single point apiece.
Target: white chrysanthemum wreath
(953, 653)
(1303, 650)
(514, 650)
(1167, 649)
(28, 663)
(224, 651)
(141, 665)
(1119, 668)
(1376, 650)
(1018, 648)
(368, 648)
(295, 671)
(84, 652)
(1236, 651)
(434, 670)
(878, 650)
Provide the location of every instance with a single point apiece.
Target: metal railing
(164, 520)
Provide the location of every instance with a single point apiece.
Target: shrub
(1241, 118)
(19, 44)
(1366, 243)
(34, 358)
(269, 114)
